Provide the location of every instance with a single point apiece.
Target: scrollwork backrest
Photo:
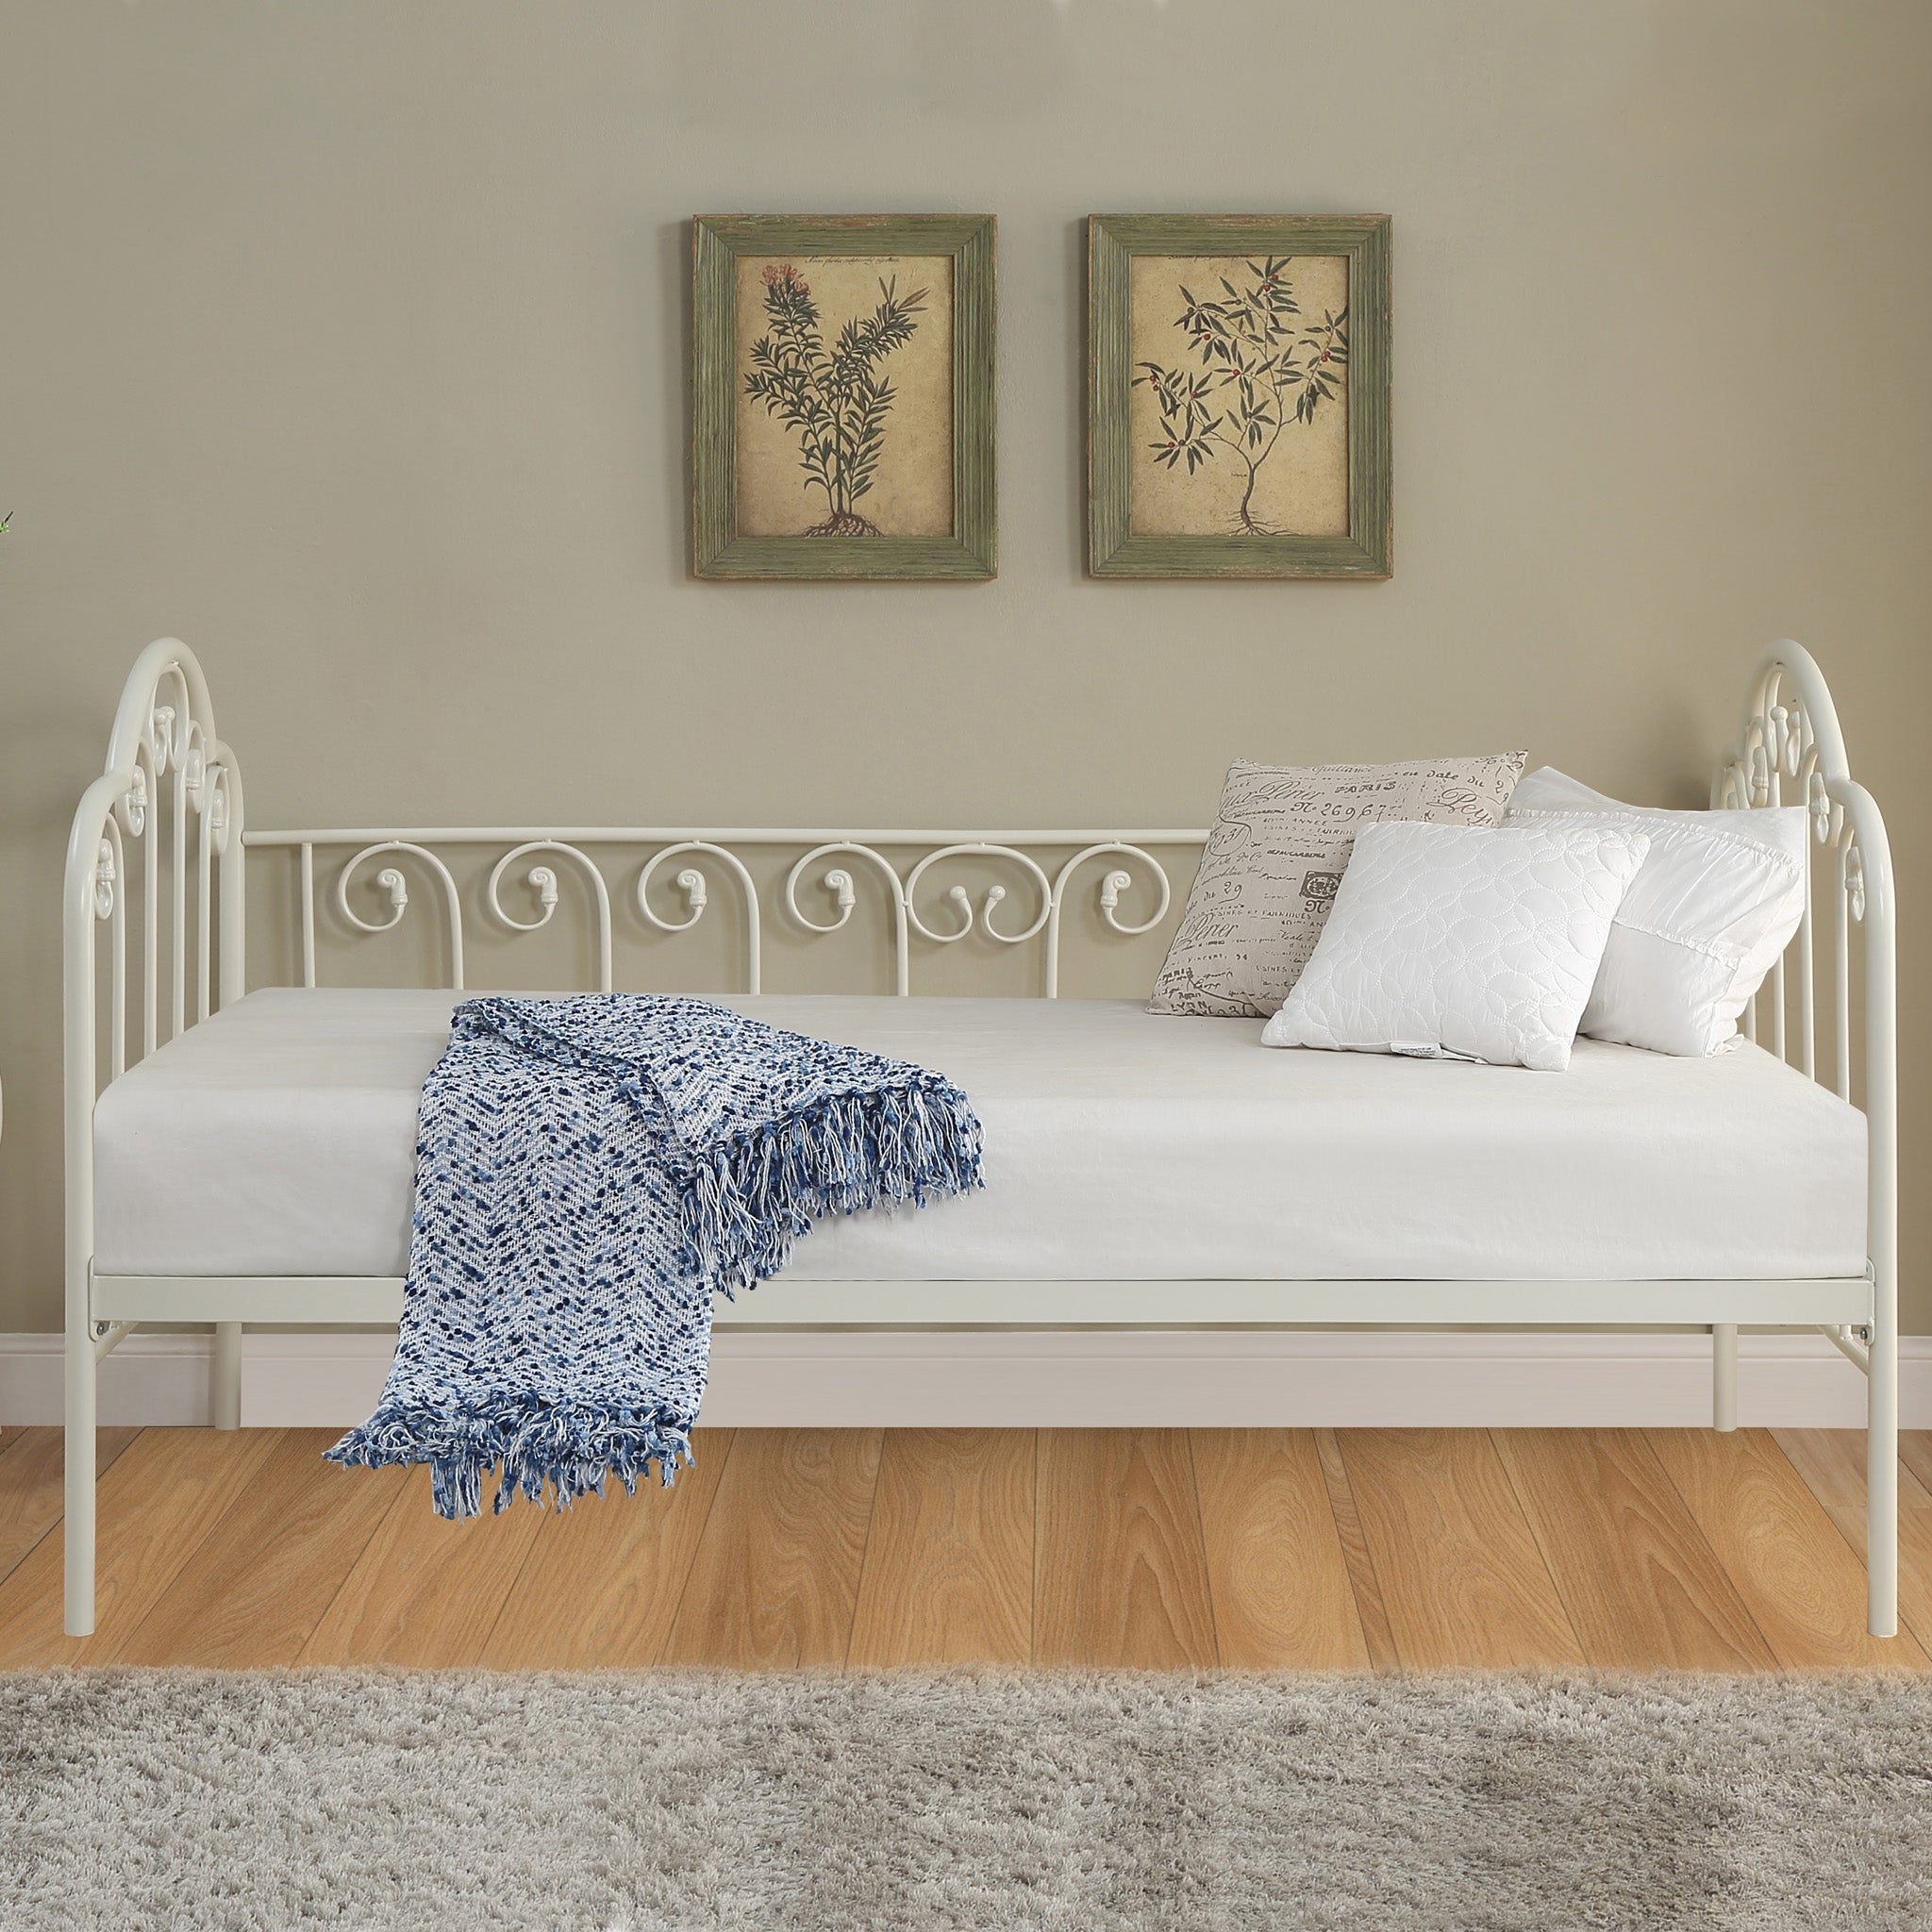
(819, 890)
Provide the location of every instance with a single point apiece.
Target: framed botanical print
(842, 393)
(1237, 396)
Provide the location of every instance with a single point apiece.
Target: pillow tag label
(1428, 1050)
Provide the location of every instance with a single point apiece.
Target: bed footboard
(166, 812)
(1792, 752)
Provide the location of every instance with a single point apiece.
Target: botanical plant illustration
(1262, 366)
(835, 398)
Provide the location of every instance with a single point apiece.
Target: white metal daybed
(249, 1159)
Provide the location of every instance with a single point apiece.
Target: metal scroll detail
(819, 890)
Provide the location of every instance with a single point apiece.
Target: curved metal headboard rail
(166, 760)
(1792, 751)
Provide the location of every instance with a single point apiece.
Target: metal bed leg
(79, 1527)
(1881, 1483)
(225, 1393)
(1724, 1376)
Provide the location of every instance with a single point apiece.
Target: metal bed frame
(167, 761)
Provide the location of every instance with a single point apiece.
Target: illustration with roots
(835, 399)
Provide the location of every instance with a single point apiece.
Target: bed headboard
(167, 813)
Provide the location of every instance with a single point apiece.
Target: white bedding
(279, 1139)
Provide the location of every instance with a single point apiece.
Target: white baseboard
(160, 1379)
(1071, 1378)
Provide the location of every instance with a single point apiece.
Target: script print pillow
(1279, 846)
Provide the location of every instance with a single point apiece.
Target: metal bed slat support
(109, 1336)
(1847, 1343)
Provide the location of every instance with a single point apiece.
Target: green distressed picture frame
(1219, 365)
(818, 384)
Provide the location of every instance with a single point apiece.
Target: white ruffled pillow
(1716, 900)
(1453, 942)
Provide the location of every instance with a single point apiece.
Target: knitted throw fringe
(589, 1173)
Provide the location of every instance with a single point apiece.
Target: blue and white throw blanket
(588, 1172)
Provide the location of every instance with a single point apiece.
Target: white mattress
(278, 1137)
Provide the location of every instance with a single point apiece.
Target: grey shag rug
(687, 1802)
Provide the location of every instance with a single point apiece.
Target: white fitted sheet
(278, 1137)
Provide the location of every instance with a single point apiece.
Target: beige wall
(346, 340)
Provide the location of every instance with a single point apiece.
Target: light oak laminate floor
(1168, 1549)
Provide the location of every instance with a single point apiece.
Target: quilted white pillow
(1454, 941)
(1716, 900)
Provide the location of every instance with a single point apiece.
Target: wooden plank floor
(1169, 1549)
